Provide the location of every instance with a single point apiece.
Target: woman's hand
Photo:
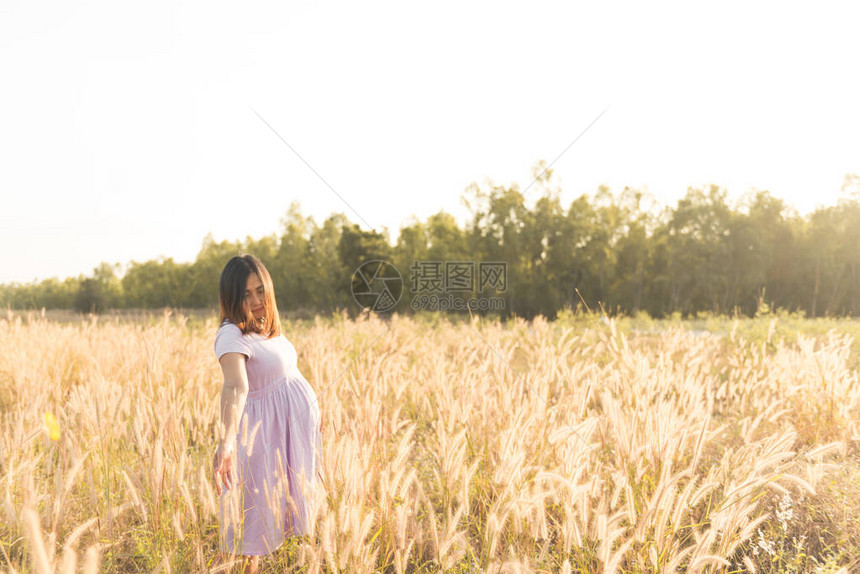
(222, 467)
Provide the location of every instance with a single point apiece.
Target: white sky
(127, 131)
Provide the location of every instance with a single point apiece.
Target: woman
(271, 449)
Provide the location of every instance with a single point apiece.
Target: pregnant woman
(266, 466)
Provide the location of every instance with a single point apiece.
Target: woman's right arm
(233, 395)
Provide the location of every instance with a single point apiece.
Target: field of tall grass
(580, 445)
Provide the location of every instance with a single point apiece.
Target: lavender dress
(278, 448)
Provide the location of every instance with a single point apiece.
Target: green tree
(327, 281)
(496, 235)
(205, 272)
(698, 250)
(292, 265)
(635, 224)
(90, 297)
(412, 245)
(155, 284)
(357, 247)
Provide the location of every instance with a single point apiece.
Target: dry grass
(471, 447)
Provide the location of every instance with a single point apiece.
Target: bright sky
(129, 132)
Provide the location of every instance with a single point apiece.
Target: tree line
(620, 252)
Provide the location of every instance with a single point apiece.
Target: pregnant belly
(306, 401)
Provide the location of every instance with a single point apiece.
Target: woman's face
(255, 296)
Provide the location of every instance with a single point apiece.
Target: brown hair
(231, 295)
